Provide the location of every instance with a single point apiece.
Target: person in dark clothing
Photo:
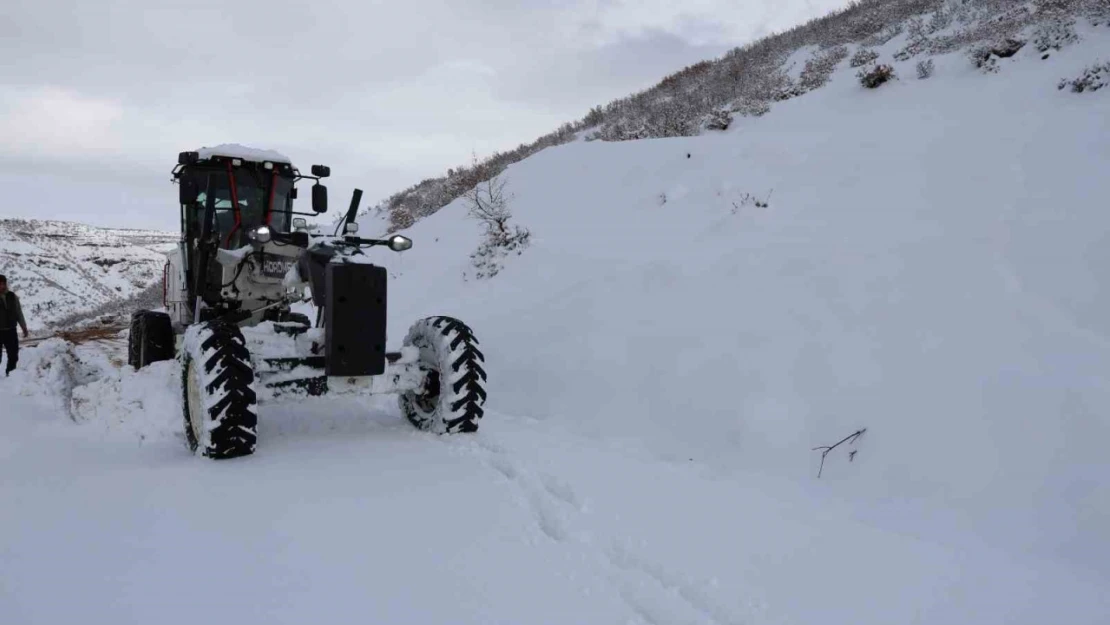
(11, 314)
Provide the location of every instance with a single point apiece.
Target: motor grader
(244, 261)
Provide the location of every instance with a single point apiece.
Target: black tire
(217, 386)
(150, 340)
(453, 397)
(300, 318)
(133, 338)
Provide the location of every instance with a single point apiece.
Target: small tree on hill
(488, 202)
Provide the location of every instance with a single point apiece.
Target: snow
(929, 267)
(233, 257)
(61, 268)
(234, 150)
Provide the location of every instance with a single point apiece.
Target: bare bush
(751, 108)
(747, 199)
(1093, 78)
(982, 59)
(863, 56)
(883, 36)
(488, 203)
(986, 57)
(925, 69)
(719, 120)
(876, 76)
(400, 219)
(818, 69)
(941, 19)
(1054, 35)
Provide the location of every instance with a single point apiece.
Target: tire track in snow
(655, 596)
(548, 517)
(621, 557)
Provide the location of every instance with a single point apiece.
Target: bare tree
(489, 203)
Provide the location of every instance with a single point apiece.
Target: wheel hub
(195, 404)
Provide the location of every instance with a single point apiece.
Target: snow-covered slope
(663, 359)
(61, 268)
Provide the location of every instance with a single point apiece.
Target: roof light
(267, 165)
(237, 162)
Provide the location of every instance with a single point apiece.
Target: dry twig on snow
(825, 449)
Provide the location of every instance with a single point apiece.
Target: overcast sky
(97, 97)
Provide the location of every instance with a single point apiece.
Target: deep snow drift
(662, 360)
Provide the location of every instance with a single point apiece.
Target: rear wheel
(220, 405)
(453, 396)
(150, 340)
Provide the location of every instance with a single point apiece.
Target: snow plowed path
(348, 515)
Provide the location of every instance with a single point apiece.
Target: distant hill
(62, 268)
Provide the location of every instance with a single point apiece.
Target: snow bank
(46, 373)
(931, 266)
(92, 385)
(143, 404)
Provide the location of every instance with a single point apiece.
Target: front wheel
(218, 387)
(453, 396)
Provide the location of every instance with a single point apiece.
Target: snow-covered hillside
(663, 358)
(62, 268)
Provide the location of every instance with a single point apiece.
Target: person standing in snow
(10, 314)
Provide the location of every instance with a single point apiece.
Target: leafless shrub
(1054, 35)
(876, 76)
(1093, 78)
(941, 19)
(488, 203)
(818, 69)
(400, 218)
(982, 58)
(751, 108)
(883, 36)
(863, 56)
(719, 120)
(747, 199)
(925, 69)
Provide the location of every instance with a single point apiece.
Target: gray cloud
(104, 94)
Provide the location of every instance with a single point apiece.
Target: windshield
(252, 194)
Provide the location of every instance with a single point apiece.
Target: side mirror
(398, 243)
(319, 198)
(323, 171)
(300, 223)
(187, 190)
